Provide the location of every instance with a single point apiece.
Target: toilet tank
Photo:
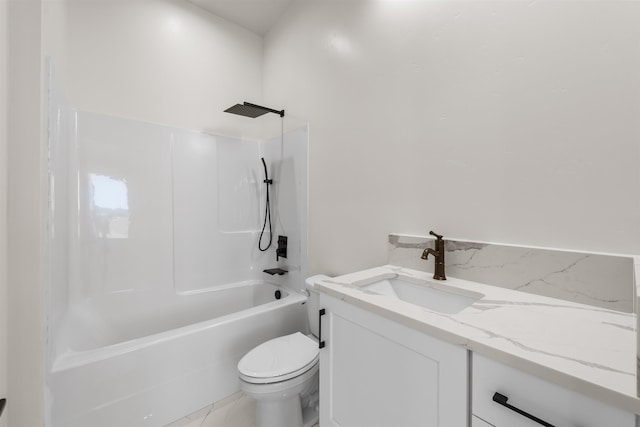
(313, 304)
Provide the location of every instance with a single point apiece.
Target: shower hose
(267, 213)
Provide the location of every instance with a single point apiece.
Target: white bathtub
(125, 362)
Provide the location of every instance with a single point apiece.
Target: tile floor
(237, 410)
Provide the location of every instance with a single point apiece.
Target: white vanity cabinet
(375, 372)
(550, 403)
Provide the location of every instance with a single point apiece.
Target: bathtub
(129, 360)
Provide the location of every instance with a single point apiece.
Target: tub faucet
(438, 253)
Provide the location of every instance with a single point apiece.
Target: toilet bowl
(282, 374)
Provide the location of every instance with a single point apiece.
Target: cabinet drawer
(549, 402)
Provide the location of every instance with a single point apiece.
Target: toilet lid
(279, 357)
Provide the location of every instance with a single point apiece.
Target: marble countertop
(583, 348)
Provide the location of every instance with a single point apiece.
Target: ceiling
(257, 16)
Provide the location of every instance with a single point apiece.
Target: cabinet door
(378, 373)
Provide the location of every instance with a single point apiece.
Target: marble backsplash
(600, 280)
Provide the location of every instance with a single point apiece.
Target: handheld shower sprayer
(267, 212)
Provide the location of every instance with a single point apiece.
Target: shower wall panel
(162, 208)
(217, 195)
(240, 184)
(62, 175)
(124, 206)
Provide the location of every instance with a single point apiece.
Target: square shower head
(252, 110)
(247, 110)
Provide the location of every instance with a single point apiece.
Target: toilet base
(287, 413)
(279, 413)
(280, 405)
(310, 417)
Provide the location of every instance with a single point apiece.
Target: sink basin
(433, 296)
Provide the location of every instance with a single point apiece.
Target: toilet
(282, 374)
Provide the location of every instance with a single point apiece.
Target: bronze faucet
(438, 252)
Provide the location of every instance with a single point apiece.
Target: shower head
(252, 110)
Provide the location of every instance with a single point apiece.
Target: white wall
(3, 205)
(510, 122)
(166, 62)
(26, 216)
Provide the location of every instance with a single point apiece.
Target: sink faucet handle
(439, 237)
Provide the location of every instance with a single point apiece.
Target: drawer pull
(501, 399)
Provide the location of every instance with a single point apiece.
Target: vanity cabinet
(548, 402)
(377, 372)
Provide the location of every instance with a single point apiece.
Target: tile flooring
(237, 410)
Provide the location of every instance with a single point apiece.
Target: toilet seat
(279, 359)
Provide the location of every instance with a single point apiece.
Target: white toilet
(282, 374)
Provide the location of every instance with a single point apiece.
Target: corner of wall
(3, 205)
(26, 201)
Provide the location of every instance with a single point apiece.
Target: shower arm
(271, 110)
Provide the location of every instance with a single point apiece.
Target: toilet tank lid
(279, 356)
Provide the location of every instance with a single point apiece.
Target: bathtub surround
(187, 206)
(589, 278)
(151, 228)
